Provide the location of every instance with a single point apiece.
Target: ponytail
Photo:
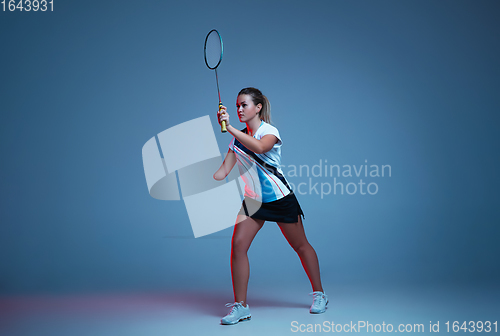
(265, 112)
(259, 98)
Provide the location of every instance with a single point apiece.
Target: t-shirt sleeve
(231, 145)
(274, 131)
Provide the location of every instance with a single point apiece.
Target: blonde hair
(259, 98)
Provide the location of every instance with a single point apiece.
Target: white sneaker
(320, 300)
(238, 313)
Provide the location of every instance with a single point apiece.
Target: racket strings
(213, 49)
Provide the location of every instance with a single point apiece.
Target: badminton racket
(213, 51)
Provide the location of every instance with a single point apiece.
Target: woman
(257, 148)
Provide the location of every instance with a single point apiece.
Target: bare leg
(243, 235)
(296, 237)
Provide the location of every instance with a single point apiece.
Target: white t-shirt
(262, 174)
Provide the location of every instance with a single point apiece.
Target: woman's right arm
(226, 166)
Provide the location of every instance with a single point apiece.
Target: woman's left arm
(265, 144)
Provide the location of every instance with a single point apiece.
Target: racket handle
(223, 123)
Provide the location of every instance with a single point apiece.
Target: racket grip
(223, 123)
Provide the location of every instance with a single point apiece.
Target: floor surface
(283, 311)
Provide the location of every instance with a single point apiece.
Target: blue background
(410, 84)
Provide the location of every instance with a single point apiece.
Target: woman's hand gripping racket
(213, 56)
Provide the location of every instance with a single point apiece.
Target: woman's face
(246, 108)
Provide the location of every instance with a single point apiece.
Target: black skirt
(285, 210)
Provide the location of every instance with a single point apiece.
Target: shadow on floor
(213, 304)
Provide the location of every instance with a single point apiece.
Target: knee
(238, 249)
(302, 248)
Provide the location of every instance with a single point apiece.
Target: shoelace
(234, 306)
(318, 297)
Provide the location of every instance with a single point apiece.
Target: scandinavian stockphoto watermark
(323, 179)
(180, 166)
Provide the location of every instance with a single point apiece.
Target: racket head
(213, 50)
